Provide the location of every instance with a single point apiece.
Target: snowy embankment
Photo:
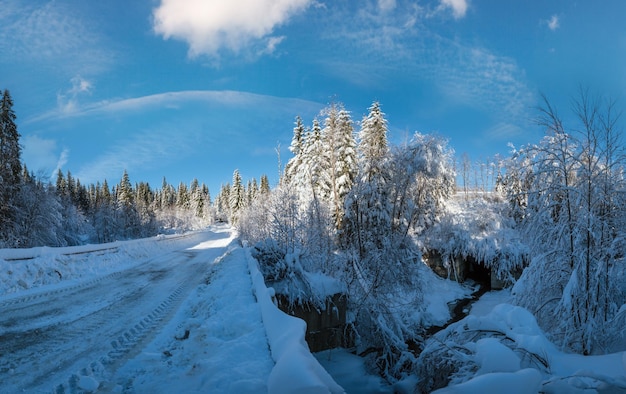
(23, 269)
(296, 370)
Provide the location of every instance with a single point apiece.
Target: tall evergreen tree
(182, 197)
(223, 203)
(264, 188)
(340, 148)
(297, 149)
(10, 166)
(368, 206)
(126, 209)
(236, 198)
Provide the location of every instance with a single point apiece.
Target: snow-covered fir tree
(294, 165)
(340, 148)
(368, 212)
(10, 168)
(236, 198)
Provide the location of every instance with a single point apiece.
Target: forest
(547, 220)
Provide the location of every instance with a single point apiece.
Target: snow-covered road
(70, 336)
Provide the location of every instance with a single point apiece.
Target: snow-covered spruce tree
(200, 201)
(236, 198)
(222, 203)
(368, 212)
(183, 202)
(293, 167)
(103, 214)
(575, 201)
(74, 223)
(10, 169)
(145, 210)
(168, 195)
(315, 184)
(126, 210)
(340, 147)
(252, 190)
(264, 188)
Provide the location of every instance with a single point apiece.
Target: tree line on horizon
(36, 212)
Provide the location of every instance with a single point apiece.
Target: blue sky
(196, 88)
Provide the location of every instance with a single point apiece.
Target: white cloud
(458, 7)
(63, 157)
(553, 22)
(209, 26)
(272, 43)
(386, 5)
(67, 102)
(80, 85)
(475, 76)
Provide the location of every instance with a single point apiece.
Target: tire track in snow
(58, 355)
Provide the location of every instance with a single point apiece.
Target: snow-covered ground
(191, 314)
(216, 342)
(166, 314)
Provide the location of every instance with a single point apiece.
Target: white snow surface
(503, 364)
(228, 336)
(225, 336)
(27, 269)
(226, 349)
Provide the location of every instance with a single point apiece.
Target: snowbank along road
(95, 325)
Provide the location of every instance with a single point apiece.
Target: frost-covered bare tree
(573, 220)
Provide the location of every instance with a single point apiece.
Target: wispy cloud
(458, 7)
(386, 5)
(51, 35)
(474, 76)
(477, 77)
(211, 26)
(174, 99)
(67, 102)
(553, 22)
